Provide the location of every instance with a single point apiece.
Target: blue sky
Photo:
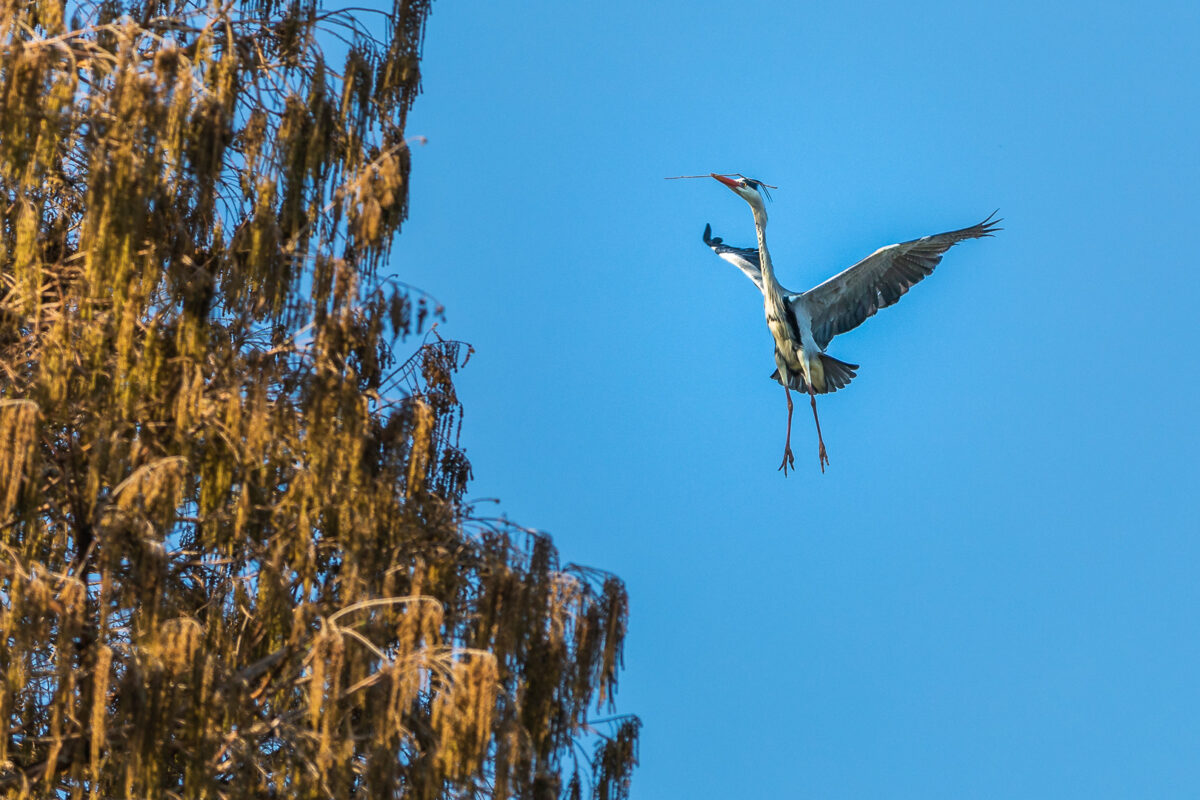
(993, 591)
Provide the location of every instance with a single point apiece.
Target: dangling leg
(821, 455)
(788, 459)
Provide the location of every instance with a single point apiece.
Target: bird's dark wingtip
(990, 225)
(709, 239)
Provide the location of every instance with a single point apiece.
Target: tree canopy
(235, 556)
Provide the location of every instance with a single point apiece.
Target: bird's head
(752, 191)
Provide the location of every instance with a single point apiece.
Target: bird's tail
(837, 375)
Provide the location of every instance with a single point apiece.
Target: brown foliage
(234, 556)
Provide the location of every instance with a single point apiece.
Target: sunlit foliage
(235, 560)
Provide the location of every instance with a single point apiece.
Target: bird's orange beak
(730, 182)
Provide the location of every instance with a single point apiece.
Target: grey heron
(803, 323)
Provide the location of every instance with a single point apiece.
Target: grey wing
(844, 301)
(744, 258)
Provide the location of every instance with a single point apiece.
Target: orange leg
(788, 459)
(824, 459)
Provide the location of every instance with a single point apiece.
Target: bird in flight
(803, 323)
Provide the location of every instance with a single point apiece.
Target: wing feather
(744, 258)
(844, 301)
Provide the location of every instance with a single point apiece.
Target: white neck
(764, 255)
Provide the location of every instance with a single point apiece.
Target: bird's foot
(823, 457)
(789, 460)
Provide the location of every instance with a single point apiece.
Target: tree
(235, 558)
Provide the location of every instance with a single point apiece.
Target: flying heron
(803, 323)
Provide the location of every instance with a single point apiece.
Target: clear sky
(994, 591)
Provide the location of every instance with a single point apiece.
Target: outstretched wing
(844, 301)
(744, 258)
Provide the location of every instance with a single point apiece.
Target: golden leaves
(463, 712)
(374, 198)
(422, 447)
(155, 487)
(18, 437)
(102, 672)
(54, 605)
